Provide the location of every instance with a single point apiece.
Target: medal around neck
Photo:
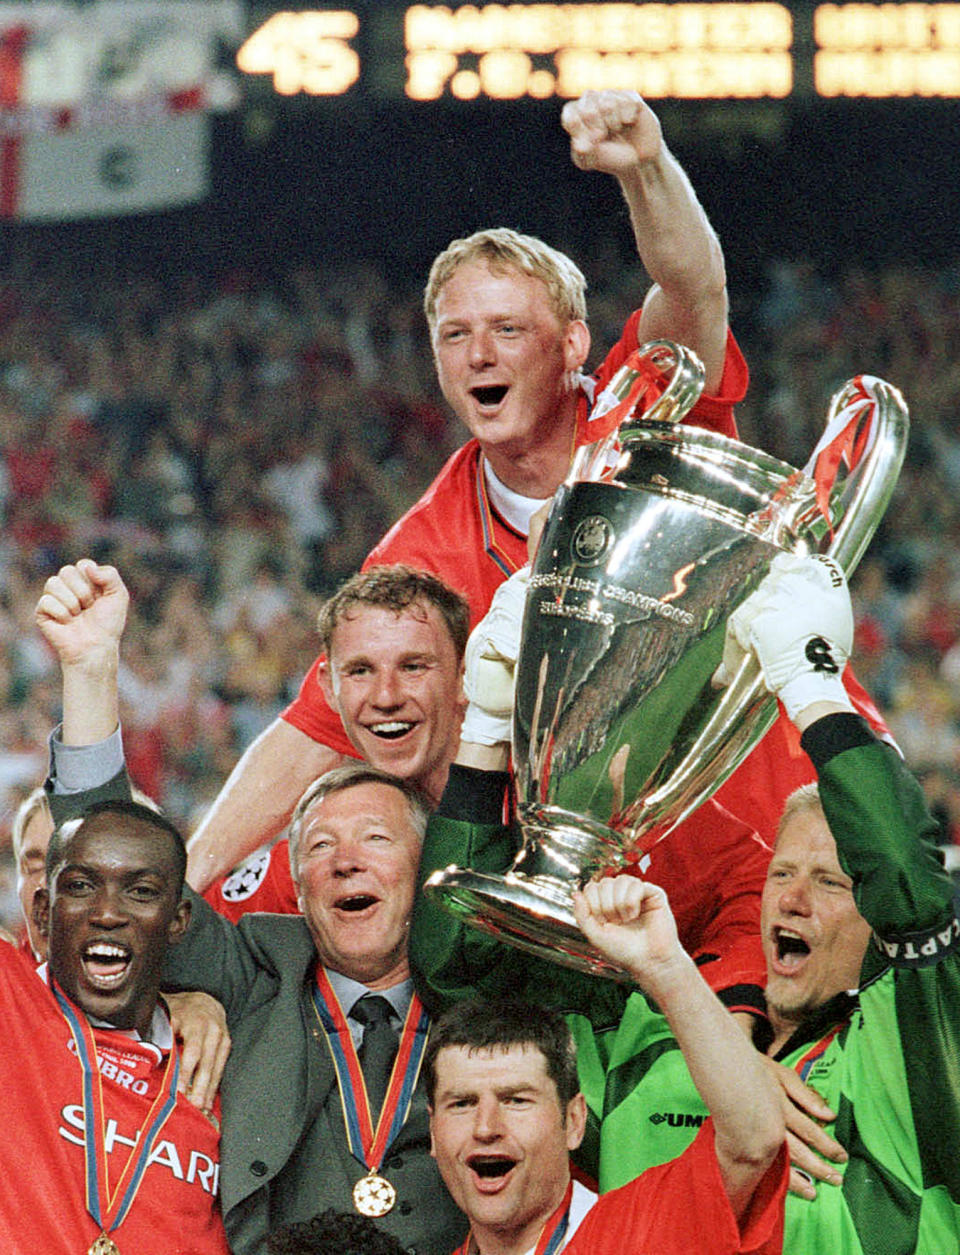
(374, 1196)
(618, 731)
(104, 1245)
(108, 1206)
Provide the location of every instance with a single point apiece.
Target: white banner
(103, 110)
(100, 172)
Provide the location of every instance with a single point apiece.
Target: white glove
(490, 662)
(799, 624)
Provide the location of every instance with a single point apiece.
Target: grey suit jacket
(283, 1146)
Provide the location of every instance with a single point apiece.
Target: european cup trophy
(657, 536)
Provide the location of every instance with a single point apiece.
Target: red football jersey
(42, 1195)
(681, 1207)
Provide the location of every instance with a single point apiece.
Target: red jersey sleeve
(262, 882)
(682, 1206)
(713, 866)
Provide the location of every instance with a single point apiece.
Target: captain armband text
(922, 949)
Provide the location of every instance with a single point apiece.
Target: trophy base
(530, 913)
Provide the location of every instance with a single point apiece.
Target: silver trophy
(658, 535)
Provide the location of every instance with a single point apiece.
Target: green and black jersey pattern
(887, 1061)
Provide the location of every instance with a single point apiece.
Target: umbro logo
(678, 1119)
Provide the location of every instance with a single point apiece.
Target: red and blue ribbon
(369, 1144)
(109, 1208)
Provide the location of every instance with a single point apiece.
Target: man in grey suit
(314, 1003)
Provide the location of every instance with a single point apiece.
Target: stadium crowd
(237, 449)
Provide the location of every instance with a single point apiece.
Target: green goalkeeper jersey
(887, 1059)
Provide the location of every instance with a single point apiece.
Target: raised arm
(617, 133)
(81, 613)
(630, 922)
(799, 624)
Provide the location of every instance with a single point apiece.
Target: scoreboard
(684, 50)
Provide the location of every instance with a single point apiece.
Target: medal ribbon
(552, 1235)
(847, 438)
(109, 1209)
(367, 1144)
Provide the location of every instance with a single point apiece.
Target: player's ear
(41, 911)
(576, 1122)
(325, 679)
(576, 344)
(180, 922)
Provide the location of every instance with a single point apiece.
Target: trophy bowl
(618, 731)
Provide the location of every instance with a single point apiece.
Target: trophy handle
(869, 418)
(686, 383)
(617, 401)
(867, 427)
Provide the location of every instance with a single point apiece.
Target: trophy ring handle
(616, 403)
(867, 426)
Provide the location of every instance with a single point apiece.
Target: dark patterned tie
(378, 1050)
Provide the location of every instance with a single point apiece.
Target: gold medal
(373, 1196)
(104, 1246)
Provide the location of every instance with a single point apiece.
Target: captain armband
(924, 948)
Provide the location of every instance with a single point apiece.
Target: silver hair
(347, 777)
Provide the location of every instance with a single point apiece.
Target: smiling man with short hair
(354, 850)
(89, 1071)
(111, 909)
(394, 640)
